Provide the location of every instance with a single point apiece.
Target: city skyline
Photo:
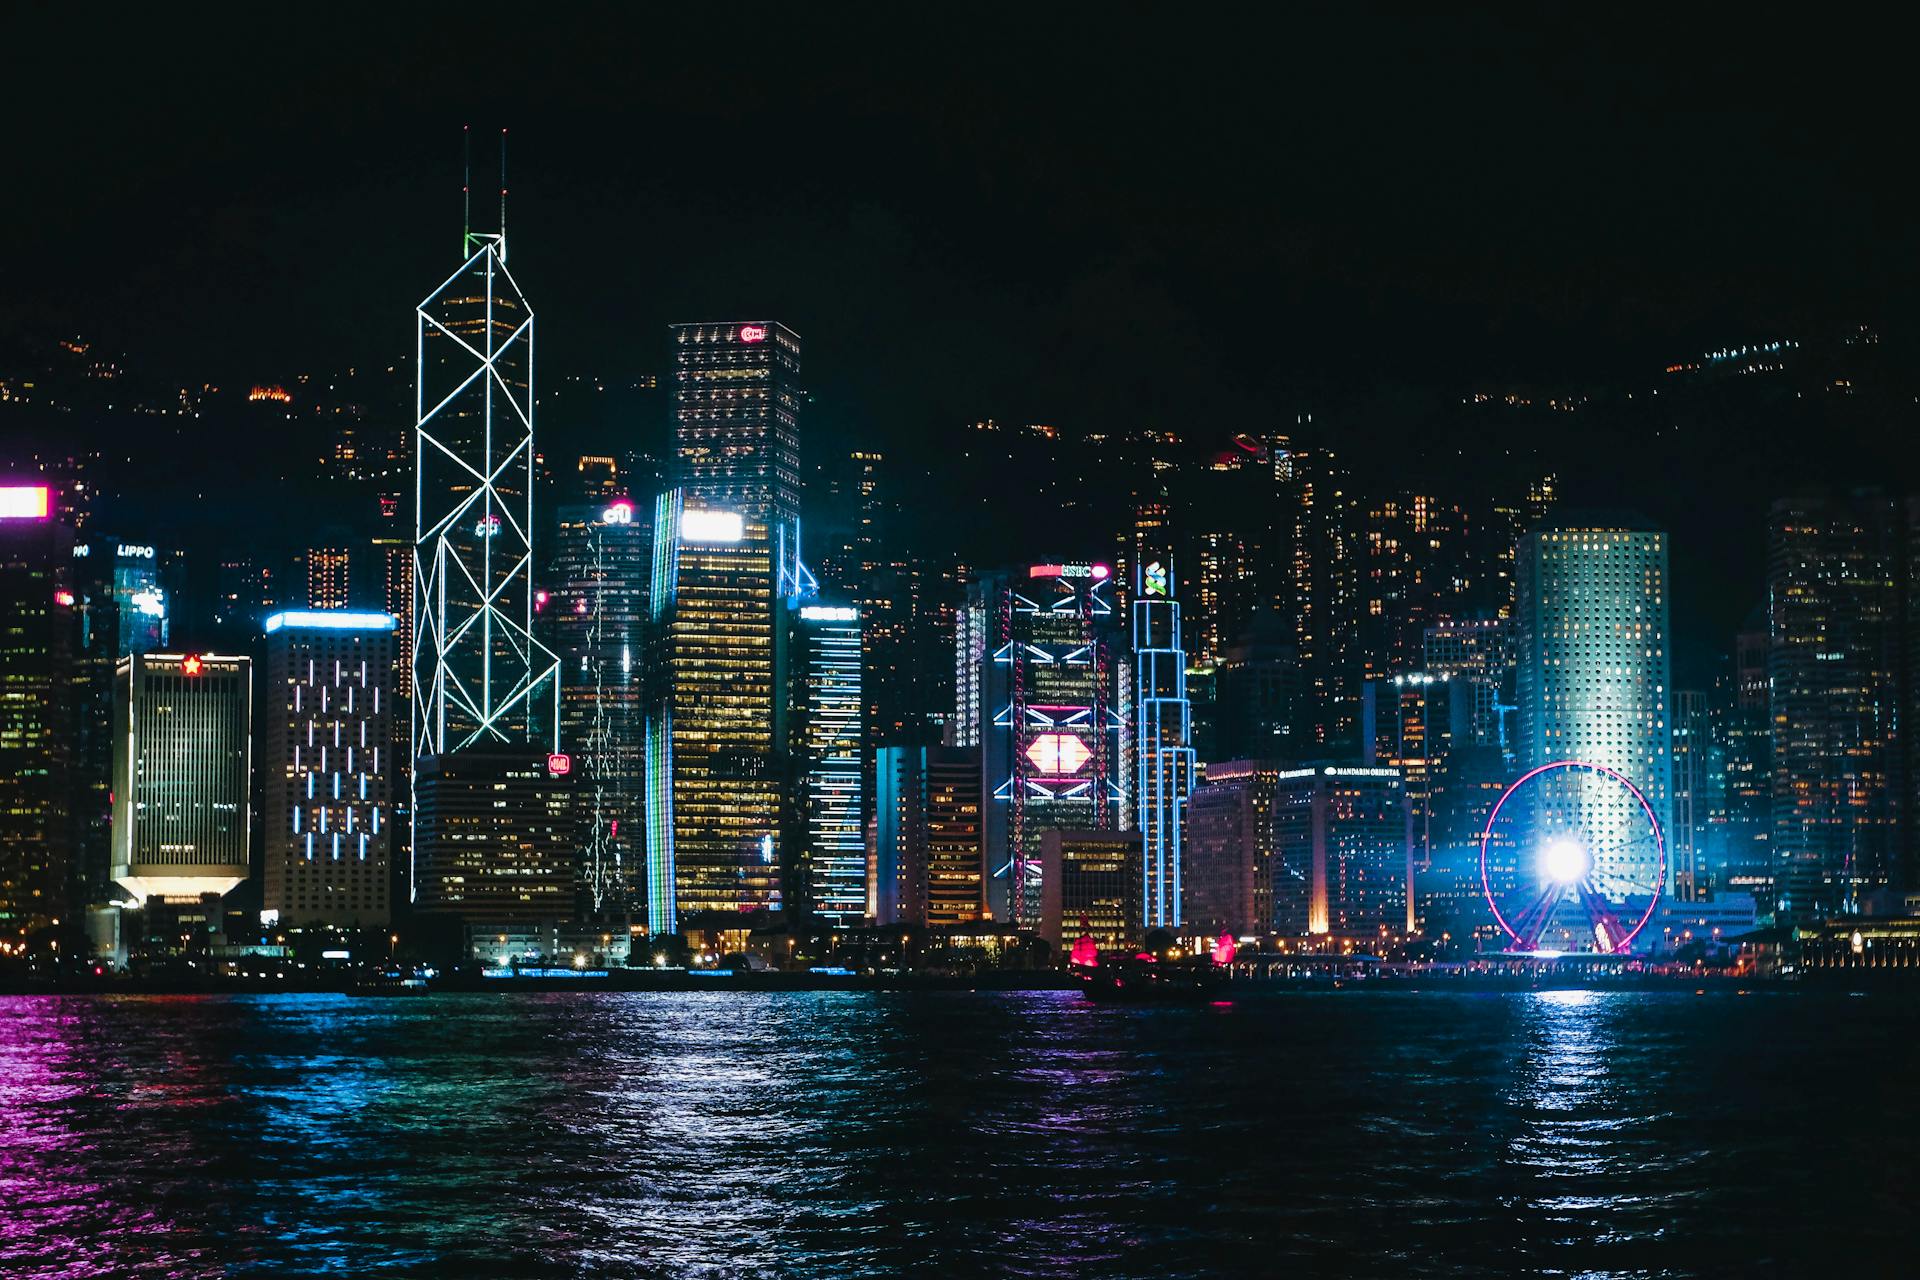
(988, 641)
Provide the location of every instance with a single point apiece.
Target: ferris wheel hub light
(1564, 862)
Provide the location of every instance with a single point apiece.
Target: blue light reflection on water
(839, 1134)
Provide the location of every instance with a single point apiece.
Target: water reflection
(846, 1135)
(1589, 1101)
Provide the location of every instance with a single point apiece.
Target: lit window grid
(836, 838)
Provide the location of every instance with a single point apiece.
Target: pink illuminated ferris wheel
(1572, 859)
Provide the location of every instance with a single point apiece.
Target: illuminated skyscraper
(1699, 791)
(492, 837)
(1229, 882)
(1591, 627)
(594, 612)
(480, 678)
(929, 866)
(1043, 693)
(1322, 597)
(494, 846)
(329, 574)
(328, 768)
(37, 833)
(715, 716)
(182, 768)
(1480, 651)
(828, 744)
(1743, 861)
(1163, 758)
(1412, 722)
(1090, 885)
(1343, 852)
(1833, 661)
(736, 411)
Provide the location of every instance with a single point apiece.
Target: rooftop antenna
(466, 191)
(503, 195)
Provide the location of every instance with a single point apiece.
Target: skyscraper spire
(466, 190)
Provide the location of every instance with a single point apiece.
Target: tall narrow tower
(492, 838)
(480, 677)
(1163, 755)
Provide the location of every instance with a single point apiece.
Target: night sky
(1081, 215)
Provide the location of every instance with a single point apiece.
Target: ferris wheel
(1572, 859)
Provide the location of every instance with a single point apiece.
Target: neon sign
(25, 502)
(133, 551)
(488, 526)
(620, 512)
(559, 764)
(190, 665)
(1155, 583)
(1058, 754)
(1098, 572)
(753, 333)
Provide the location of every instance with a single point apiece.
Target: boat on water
(391, 982)
(1145, 975)
(1130, 979)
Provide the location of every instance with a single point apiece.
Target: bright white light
(1564, 862)
(24, 502)
(711, 526)
(828, 613)
(331, 620)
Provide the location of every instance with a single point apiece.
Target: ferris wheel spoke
(1606, 925)
(1533, 920)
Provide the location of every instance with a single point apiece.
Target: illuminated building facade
(1229, 881)
(1322, 597)
(182, 769)
(37, 827)
(1412, 573)
(1045, 696)
(929, 865)
(1699, 791)
(715, 726)
(1163, 757)
(493, 843)
(1833, 663)
(480, 678)
(128, 575)
(1742, 854)
(1419, 722)
(827, 757)
(1592, 650)
(491, 829)
(1090, 885)
(1343, 852)
(736, 411)
(328, 768)
(594, 616)
(1218, 589)
(1479, 651)
(329, 574)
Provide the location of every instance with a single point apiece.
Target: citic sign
(753, 333)
(559, 765)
